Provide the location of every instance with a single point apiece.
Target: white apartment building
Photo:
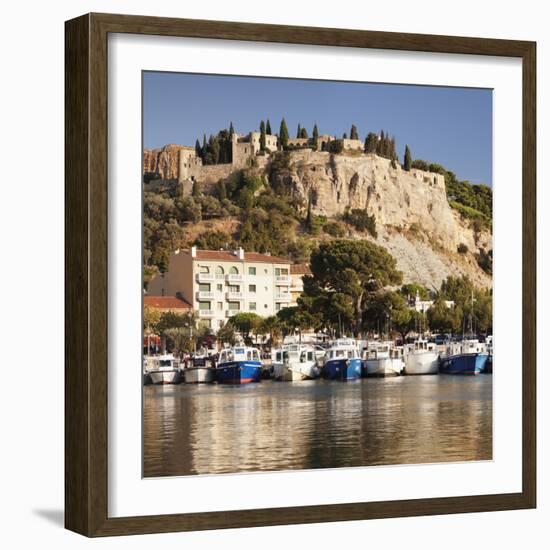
(221, 283)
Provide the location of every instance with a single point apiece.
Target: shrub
(334, 229)
(360, 219)
(462, 248)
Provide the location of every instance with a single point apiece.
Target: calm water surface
(203, 429)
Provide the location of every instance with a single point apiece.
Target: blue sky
(451, 126)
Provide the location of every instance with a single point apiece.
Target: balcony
(234, 278)
(205, 277)
(283, 297)
(235, 295)
(282, 279)
(232, 312)
(206, 313)
(205, 295)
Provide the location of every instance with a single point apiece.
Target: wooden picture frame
(86, 320)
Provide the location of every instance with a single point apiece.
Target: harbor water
(210, 428)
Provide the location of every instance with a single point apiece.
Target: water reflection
(317, 424)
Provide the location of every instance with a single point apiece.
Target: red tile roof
(300, 269)
(229, 256)
(165, 302)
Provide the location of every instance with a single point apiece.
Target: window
(251, 288)
(204, 306)
(277, 306)
(234, 288)
(204, 287)
(252, 306)
(252, 271)
(220, 306)
(233, 306)
(219, 270)
(219, 288)
(204, 269)
(281, 271)
(234, 271)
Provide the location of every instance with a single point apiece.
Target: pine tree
(283, 134)
(353, 132)
(268, 128)
(298, 131)
(408, 160)
(262, 136)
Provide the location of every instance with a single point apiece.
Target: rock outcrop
(413, 218)
(162, 162)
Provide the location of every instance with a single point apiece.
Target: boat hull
(160, 377)
(382, 367)
(199, 375)
(239, 372)
(422, 363)
(289, 373)
(467, 363)
(342, 369)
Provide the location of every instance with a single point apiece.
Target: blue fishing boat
(342, 361)
(467, 357)
(239, 365)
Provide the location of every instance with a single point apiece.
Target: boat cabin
(239, 354)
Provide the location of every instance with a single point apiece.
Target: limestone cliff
(413, 218)
(163, 162)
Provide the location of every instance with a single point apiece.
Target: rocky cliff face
(413, 218)
(163, 162)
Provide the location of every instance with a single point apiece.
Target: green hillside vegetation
(473, 201)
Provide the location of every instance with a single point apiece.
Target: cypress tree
(268, 128)
(371, 143)
(262, 136)
(203, 149)
(380, 144)
(303, 133)
(353, 132)
(231, 129)
(315, 134)
(283, 134)
(198, 150)
(408, 160)
(344, 136)
(298, 131)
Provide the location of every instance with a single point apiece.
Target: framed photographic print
(300, 275)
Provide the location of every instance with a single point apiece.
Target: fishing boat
(295, 362)
(164, 370)
(200, 371)
(342, 360)
(239, 365)
(466, 357)
(421, 357)
(383, 359)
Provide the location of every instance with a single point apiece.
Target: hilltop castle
(181, 163)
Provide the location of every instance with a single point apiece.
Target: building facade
(221, 283)
(297, 274)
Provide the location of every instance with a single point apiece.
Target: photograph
(317, 274)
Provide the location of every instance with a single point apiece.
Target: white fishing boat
(383, 359)
(421, 357)
(164, 370)
(200, 371)
(295, 362)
